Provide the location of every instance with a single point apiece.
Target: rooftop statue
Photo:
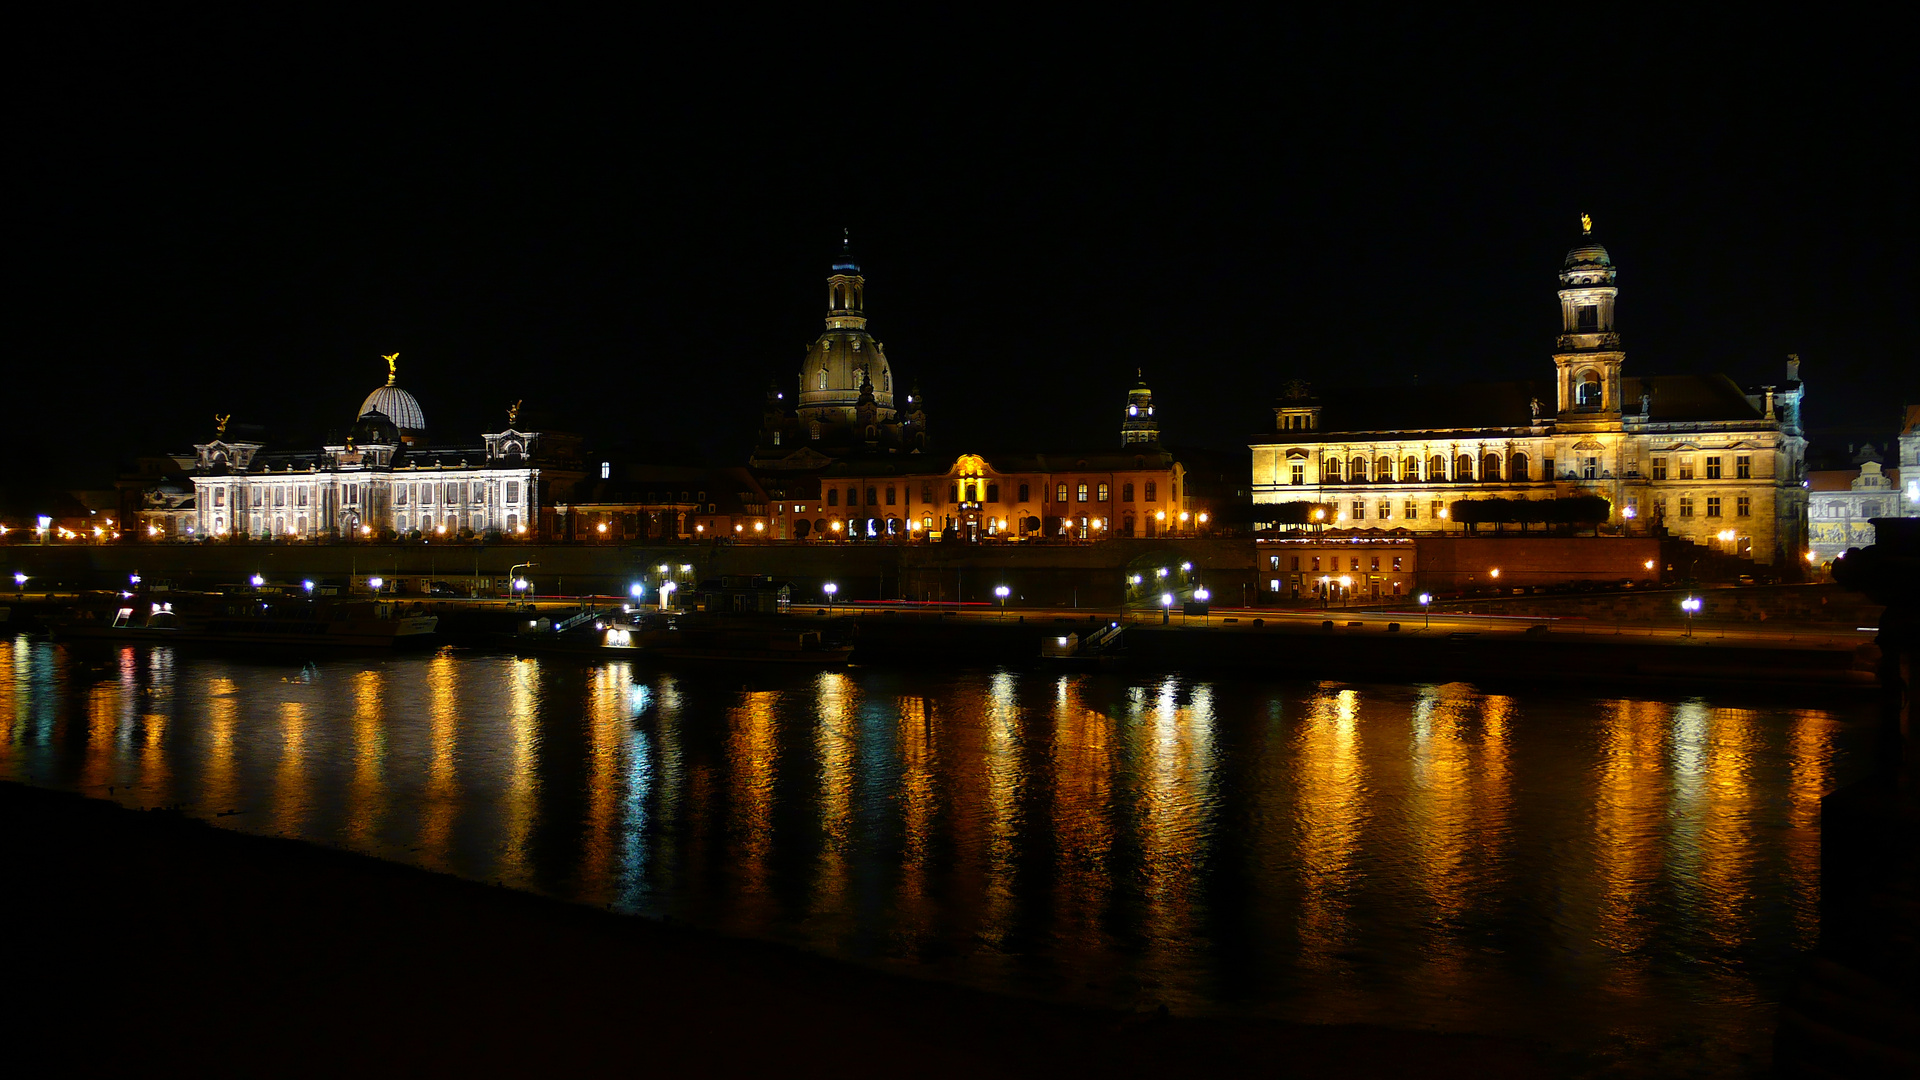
(513, 414)
(1586, 225)
(393, 366)
(221, 431)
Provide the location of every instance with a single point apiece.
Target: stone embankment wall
(1452, 562)
(1813, 605)
(1037, 574)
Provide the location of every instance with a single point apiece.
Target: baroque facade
(1695, 455)
(1842, 504)
(382, 479)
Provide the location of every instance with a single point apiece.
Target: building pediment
(1297, 454)
(1589, 444)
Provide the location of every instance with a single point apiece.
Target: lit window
(1102, 497)
(1081, 492)
(606, 469)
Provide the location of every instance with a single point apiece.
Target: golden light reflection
(523, 777)
(919, 759)
(291, 778)
(1630, 802)
(1811, 753)
(1005, 780)
(367, 794)
(606, 738)
(754, 753)
(1731, 863)
(1173, 744)
(443, 787)
(223, 710)
(836, 713)
(1442, 810)
(1331, 812)
(1083, 768)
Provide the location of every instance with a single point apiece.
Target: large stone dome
(831, 375)
(400, 407)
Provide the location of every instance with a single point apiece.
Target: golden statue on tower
(513, 414)
(220, 432)
(1586, 225)
(393, 366)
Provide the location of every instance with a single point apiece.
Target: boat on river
(252, 620)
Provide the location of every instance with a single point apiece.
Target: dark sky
(627, 224)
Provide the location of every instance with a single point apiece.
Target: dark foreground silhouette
(148, 943)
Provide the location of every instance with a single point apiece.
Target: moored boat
(252, 621)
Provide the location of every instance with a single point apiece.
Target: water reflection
(1433, 855)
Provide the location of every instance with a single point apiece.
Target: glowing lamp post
(1166, 608)
(1690, 605)
(308, 586)
(133, 578)
(20, 583)
(829, 588)
(257, 581)
(1426, 605)
(636, 590)
(1001, 591)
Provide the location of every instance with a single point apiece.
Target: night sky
(628, 225)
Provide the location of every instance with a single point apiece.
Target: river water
(1621, 880)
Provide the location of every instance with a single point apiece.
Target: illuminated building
(1694, 455)
(1842, 502)
(381, 479)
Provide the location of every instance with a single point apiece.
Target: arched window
(1437, 468)
(1587, 390)
(1410, 469)
(1333, 470)
(1520, 466)
(1359, 470)
(1463, 467)
(1383, 468)
(1490, 467)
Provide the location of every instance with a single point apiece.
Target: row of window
(988, 491)
(1683, 467)
(1333, 562)
(1381, 469)
(1714, 504)
(425, 494)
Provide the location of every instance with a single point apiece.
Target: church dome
(834, 369)
(400, 407)
(1589, 255)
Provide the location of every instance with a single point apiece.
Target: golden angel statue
(220, 432)
(393, 366)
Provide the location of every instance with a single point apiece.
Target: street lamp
(1166, 608)
(134, 578)
(376, 584)
(829, 588)
(20, 582)
(1001, 591)
(637, 590)
(1426, 605)
(258, 581)
(1690, 605)
(308, 586)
